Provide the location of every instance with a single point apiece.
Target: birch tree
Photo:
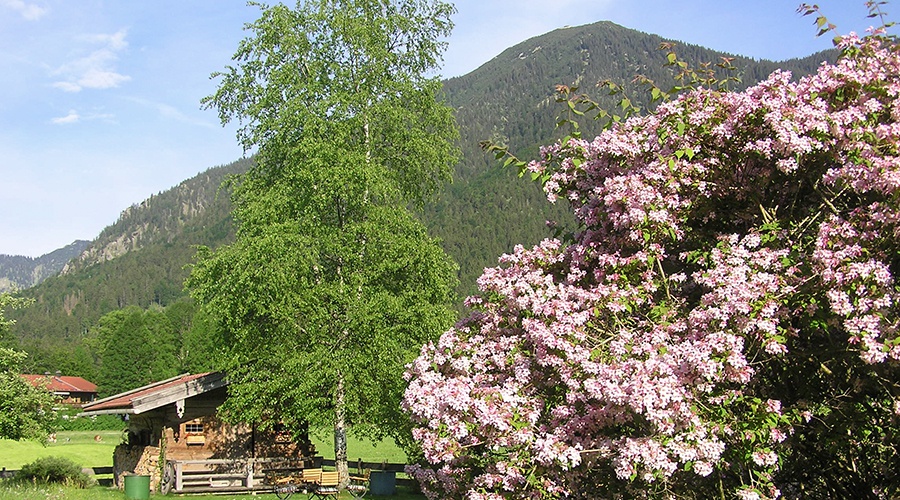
(332, 285)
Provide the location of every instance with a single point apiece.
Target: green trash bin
(137, 487)
(383, 483)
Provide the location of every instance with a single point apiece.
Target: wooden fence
(359, 464)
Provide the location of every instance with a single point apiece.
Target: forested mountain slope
(18, 272)
(511, 99)
(140, 260)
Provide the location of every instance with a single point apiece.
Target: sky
(100, 99)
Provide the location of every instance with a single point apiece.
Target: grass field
(79, 446)
(28, 492)
(385, 451)
(82, 448)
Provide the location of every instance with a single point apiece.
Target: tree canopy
(332, 285)
(26, 412)
(724, 322)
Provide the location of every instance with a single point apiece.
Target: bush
(727, 317)
(54, 470)
(70, 421)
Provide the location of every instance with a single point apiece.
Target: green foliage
(134, 348)
(70, 421)
(332, 285)
(137, 346)
(26, 412)
(54, 470)
(140, 260)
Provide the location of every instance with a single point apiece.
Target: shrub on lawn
(54, 470)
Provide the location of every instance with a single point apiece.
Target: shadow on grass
(15, 491)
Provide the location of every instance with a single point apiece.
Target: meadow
(83, 448)
(56, 492)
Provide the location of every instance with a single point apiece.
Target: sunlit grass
(57, 492)
(78, 446)
(384, 451)
(83, 449)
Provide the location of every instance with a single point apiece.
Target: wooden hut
(176, 438)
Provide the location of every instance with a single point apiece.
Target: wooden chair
(359, 485)
(306, 482)
(311, 477)
(328, 485)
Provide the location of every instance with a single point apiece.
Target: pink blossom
(687, 278)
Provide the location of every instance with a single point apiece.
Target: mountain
(511, 99)
(18, 272)
(141, 259)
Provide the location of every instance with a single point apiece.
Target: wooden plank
(179, 477)
(375, 466)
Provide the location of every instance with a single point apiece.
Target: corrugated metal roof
(127, 400)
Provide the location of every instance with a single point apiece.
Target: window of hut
(193, 432)
(193, 428)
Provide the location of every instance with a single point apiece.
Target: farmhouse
(68, 390)
(175, 437)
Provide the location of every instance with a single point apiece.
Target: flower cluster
(713, 232)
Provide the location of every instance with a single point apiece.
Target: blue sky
(100, 99)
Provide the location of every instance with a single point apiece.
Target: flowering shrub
(725, 319)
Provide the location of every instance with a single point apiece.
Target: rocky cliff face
(164, 217)
(18, 272)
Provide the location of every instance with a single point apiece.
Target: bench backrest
(330, 478)
(311, 475)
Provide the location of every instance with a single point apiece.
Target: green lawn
(78, 446)
(28, 492)
(385, 451)
(82, 448)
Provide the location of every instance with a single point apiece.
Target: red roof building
(69, 390)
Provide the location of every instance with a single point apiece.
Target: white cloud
(72, 117)
(170, 112)
(97, 69)
(30, 12)
(116, 41)
(76, 117)
(95, 78)
(67, 86)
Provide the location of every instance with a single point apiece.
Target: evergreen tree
(135, 347)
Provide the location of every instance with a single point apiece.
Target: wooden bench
(328, 487)
(303, 481)
(209, 474)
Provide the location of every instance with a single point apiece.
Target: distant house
(176, 437)
(69, 390)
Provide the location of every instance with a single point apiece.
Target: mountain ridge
(18, 271)
(143, 258)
